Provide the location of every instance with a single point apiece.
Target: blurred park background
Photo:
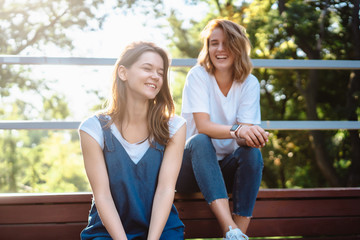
(50, 161)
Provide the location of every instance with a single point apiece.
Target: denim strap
(109, 144)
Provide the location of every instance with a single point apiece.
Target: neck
(136, 111)
(224, 80)
(223, 77)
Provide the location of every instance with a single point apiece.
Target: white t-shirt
(135, 151)
(202, 94)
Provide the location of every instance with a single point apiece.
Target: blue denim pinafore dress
(133, 188)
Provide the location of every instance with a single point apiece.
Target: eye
(214, 43)
(148, 69)
(161, 73)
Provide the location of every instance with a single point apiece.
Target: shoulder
(89, 122)
(251, 80)
(175, 123)
(92, 124)
(197, 76)
(198, 71)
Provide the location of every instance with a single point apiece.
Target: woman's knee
(198, 141)
(252, 157)
(200, 150)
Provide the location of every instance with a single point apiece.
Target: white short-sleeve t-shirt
(201, 93)
(135, 151)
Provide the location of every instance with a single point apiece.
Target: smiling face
(218, 51)
(144, 78)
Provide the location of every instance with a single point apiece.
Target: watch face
(234, 127)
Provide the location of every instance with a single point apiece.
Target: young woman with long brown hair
(133, 150)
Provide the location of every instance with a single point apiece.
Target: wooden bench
(324, 213)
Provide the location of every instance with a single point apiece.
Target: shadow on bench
(323, 213)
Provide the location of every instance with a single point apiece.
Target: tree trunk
(281, 4)
(353, 101)
(317, 137)
(310, 95)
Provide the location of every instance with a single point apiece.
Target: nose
(156, 76)
(221, 46)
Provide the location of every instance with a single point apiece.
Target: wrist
(237, 133)
(234, 129)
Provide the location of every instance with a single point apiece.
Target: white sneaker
(235, 234)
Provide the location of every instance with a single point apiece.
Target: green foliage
(177, 86)
(38, 161)
(41, 161)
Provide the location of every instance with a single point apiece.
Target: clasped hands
(252, 136)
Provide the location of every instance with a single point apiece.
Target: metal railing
(180, 62)
(258, 63)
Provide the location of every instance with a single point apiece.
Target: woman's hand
(165, 190)
(254, 135)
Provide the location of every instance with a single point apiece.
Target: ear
(122, 73)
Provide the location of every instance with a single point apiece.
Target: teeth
(151, 85)
(221, 57)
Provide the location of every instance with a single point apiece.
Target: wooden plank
(305, 227)
(279, 208)
(194, 210)
(15, 198)
(43, 231)
(207, 228)
(307, 208)
(34, 198)
(311, 227)
(309, 193)
(44, 213)
(195, 229)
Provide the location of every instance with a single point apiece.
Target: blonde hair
(161, 108)
(237, 44)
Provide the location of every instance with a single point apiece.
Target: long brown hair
(237, 43)
(161, 108)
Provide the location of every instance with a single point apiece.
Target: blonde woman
(221, 103)
(133, 150)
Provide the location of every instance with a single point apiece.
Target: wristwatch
(233, 130)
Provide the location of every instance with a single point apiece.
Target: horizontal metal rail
(177, 62)
(258, 63)
(268, 125)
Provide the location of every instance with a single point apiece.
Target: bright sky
(117, 32)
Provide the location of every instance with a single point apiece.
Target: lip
(151, 85)
(221, 57)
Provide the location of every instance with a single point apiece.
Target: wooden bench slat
(70, 231)
(207, 228)
(330, 212)
(198, 228)
(263, 193)
(280, 208)
(41, 198)
(298, 227)
(307, 208)
(308, 193)
(57, 213)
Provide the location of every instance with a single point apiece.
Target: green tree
(26, 27)
(315, 30)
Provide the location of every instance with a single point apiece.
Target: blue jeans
(238, 173)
